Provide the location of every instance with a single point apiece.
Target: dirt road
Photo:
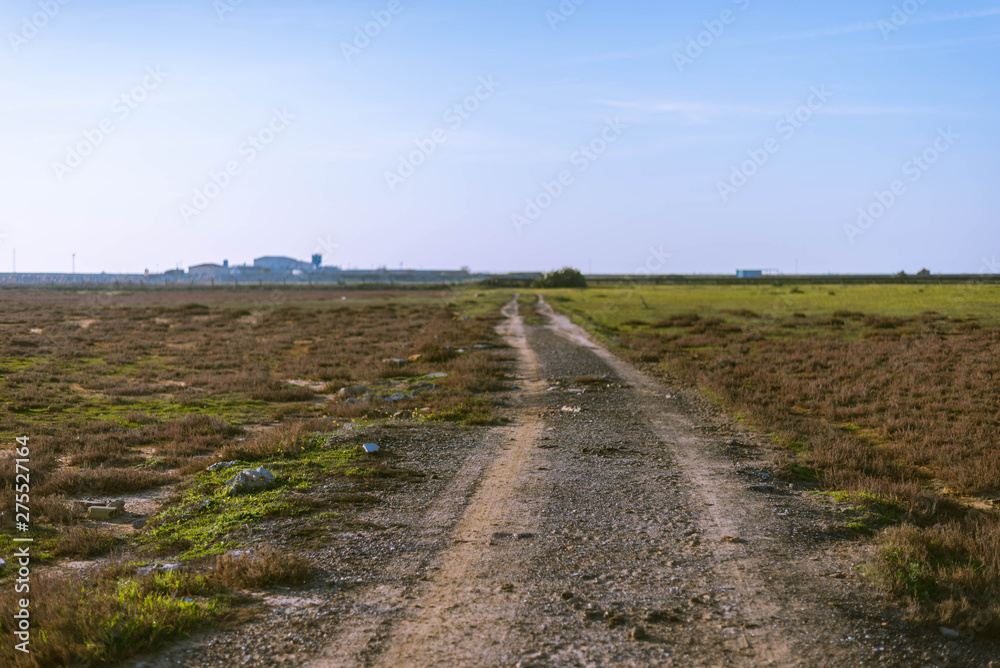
(615, 522)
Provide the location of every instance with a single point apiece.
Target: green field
(614, 306)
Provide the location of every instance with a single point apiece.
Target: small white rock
(249, 481)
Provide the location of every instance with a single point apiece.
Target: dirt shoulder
(613, 522)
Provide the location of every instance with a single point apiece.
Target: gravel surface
(614, 522)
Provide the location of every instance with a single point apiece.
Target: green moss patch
(202, 519)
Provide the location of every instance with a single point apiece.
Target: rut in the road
(462, 616)
(711, 480)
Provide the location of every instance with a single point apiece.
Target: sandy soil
(627, 524)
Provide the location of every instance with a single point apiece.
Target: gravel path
(614, 522)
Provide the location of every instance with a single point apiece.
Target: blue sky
(615, 137)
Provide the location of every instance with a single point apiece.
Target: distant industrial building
(209, 271)
(275, 269)
(749, 273)
(248, 272)
(279, 264)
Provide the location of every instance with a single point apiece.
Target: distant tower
(317, 261)
(225, 264)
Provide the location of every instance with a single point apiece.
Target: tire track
(461, 617)
(712, 480)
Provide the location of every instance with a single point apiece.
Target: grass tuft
(84, 542)
(263, 567)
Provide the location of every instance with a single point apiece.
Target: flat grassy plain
(883, 396)
(134, 395)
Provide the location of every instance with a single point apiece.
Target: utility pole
(15, 261)
(74, 263)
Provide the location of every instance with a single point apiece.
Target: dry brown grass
(55, 508)
(193, 436)
(262, 567)
(679, 320)
(103, 481)
(890, 408)
(103, 400)
(281, 440)
(948, 573)
(83, 542)
(157, 386)
(859, 405)
(477, 374)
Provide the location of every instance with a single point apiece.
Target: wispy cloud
(694, 112)
(829, 31)
(957, 16)
(870, 26)
(703, 112)
(944, 43)
(861, 110)
(597, 58)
